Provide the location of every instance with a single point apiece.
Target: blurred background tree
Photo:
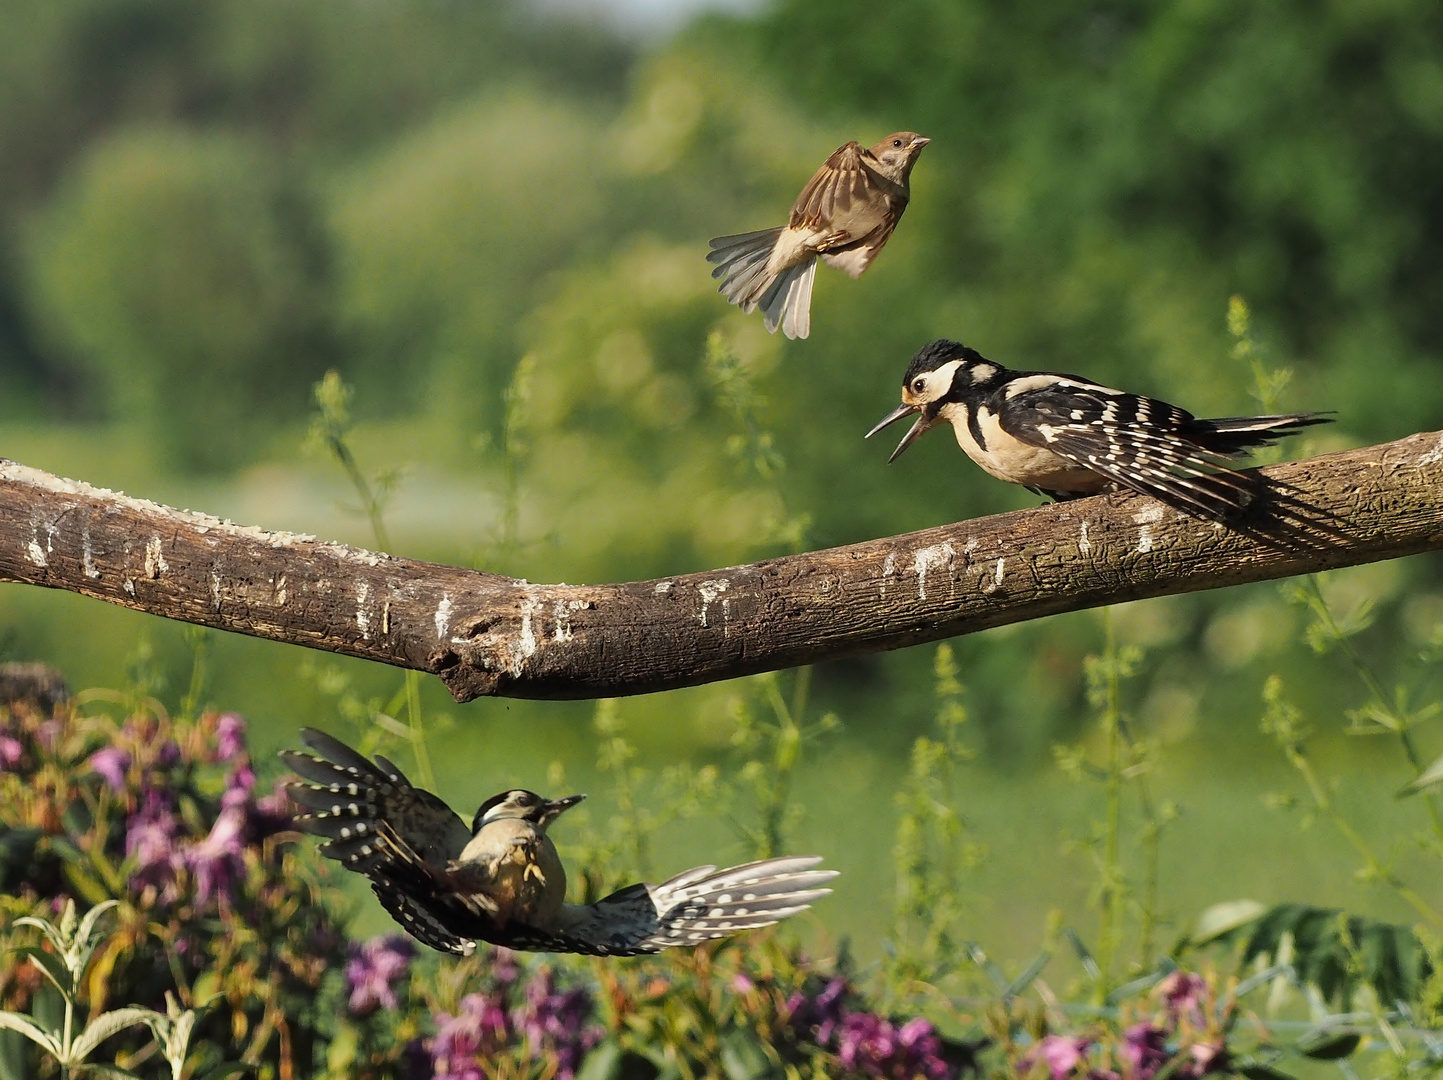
(204, 205)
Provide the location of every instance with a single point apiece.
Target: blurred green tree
(175, 267)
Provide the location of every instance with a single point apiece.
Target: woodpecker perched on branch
(1066, 437)
(844, 215)
(502, 881)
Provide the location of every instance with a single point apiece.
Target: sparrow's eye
(897, 143)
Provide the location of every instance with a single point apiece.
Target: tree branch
(486, 634)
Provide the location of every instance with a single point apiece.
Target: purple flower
(230, 736)
(269, 814)
(216, 861)
(1182, 993)
(741, 984)
(112, 764)
(238, 786)
(150, 839)
(373, 971)
(11, 752)
(1062, 1053)
(504, 968)
(555, 1020)
(819, 1017)
(871, 1044)
(1207, 1058)
(167, 755)
(479, 1026)
(1144, 1048)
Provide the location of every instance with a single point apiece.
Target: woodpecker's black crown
(942, 351)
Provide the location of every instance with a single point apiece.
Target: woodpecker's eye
(918, 385)
(897, 143)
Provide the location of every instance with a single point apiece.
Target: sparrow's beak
(920, 141)
(923, 423)
(556, 807)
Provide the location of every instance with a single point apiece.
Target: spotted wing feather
(349, 800)
(1147, 445)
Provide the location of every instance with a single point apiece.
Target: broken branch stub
(485, 634)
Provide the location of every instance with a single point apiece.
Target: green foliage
(174, 267)
(933, 852)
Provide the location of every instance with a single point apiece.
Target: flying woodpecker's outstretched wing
(365, 810)
(696, 906)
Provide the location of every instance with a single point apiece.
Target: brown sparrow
(844, 214)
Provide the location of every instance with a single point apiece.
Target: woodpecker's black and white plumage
(502, 881)
(1066, 437)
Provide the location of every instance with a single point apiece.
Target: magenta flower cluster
(373, 972)
(1170, 1041)
(170, 863)
(552, 1023)
(867, 1043)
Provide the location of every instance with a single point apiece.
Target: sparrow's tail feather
(742, 265)
(797, 307)
(788, 300)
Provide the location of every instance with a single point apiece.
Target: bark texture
(484, 634)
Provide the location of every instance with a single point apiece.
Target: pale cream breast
(516, 866)
(1008, 458)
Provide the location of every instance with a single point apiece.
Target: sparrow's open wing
(846, 199)
(365, 809)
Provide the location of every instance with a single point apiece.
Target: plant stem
(1375, 689)
(1325, 806)
(342, 452)
(1111, 885)
(417, 729)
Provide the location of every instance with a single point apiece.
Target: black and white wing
(696, 906)
(1144, 444)
(693, 907)
(365, 809)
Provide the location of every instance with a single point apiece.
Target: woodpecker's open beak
(555, 807)
(923, 423)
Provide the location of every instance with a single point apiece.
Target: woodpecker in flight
(502, 881)
(844, 215)
(1066, 437)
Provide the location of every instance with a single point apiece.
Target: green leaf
(51, 965)
(743, 1058)
(1328, 1044)
(107, 1024)
(15, 1022)
(1429, 777)
(225, 1071)
(111, 1072)
(1252, 982)
(1222, 919)
(603, 1063)
(1023, 981)
(49, 929)
(1257, 1070)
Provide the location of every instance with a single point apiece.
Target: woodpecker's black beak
(556, 807)
(923, 423)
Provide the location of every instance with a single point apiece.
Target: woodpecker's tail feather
(1234, 436)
